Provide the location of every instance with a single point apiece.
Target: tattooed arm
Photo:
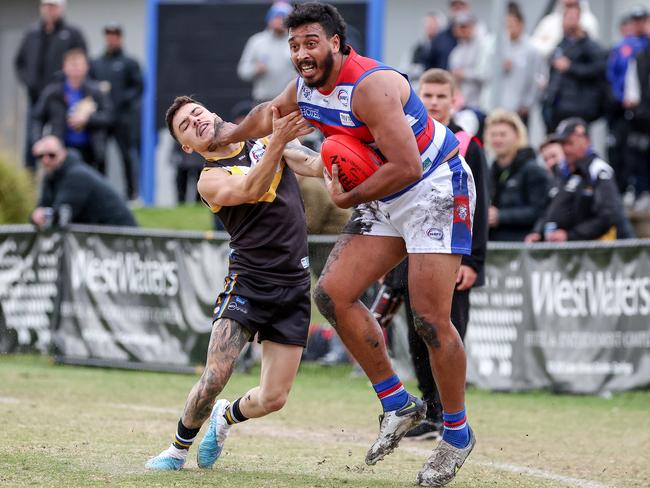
(302, 160)
(227, 340)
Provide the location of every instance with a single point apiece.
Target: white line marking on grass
(532, 472)
(538, 473)
(143, 408)
(6, 399)
(273, 432)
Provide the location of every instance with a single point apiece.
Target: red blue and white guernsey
(434, 214)
(332, 114)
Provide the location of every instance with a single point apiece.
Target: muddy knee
(325, 304)
(429, 330)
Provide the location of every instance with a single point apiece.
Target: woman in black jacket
(518, 184)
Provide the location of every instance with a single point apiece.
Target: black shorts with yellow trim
(276, 313)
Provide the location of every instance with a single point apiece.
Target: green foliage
(17, 193)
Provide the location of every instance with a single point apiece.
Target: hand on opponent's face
(220, 133)
(289, 127)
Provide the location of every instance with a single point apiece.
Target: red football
(356, 160)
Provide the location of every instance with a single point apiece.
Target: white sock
(174, 452)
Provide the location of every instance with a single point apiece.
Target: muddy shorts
(435, 216)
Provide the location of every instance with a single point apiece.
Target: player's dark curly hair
(320, 13)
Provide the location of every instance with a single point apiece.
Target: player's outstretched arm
(302, 160)
(259, 122)
(220, 188)
(378, 101)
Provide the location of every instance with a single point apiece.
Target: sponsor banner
(29, 274)
(570, 318)
(138, 299)
(567, 319)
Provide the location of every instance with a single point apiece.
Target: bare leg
(353, 265)
(227, 340)
(279, 368)
(432, 278)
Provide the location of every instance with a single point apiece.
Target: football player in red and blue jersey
(419, 203)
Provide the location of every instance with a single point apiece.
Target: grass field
(72, 427)
(183, 217)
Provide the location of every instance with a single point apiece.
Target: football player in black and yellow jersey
(253, 188)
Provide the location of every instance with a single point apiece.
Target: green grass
(183, 217)
(70, 426)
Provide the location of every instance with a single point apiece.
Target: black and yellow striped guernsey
(268, 237)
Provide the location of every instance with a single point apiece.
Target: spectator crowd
(75, 106)
(560, 67)
(562, 190)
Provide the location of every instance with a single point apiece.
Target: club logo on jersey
(461, 210)
(343, 97)
(346, 119)
(435, 233)
(257, 153)
(306, 92)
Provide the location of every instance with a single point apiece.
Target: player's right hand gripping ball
(356, 160)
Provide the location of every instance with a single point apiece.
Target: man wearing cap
(121, 76)
(265, 60)
(446, 41)
(634, 40)
(71, 186)
(586, 204)
(40, 55)
(467, 61)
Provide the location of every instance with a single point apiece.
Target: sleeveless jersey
(332, 114)
(268, 237)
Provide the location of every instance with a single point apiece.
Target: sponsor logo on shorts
(343, 97)
(234, 306)
(426, 164)
(305, 262)
(241, 300)
(435, 233)
(306, 92)
(346, 119)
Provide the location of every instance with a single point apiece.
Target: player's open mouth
(308, 69)
(202, 128)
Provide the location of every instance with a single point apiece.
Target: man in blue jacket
(634, 41)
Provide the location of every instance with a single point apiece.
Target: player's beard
(328, 65)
